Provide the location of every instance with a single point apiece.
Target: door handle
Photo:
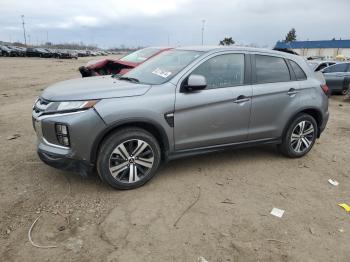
(241, 99)
(292, 92)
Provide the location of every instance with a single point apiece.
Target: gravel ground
(234, 193)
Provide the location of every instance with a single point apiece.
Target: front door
(220, 113)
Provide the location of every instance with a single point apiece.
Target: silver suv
(182, 102)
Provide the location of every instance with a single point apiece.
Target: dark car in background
(318, 65)
(17, 51)
(32, 52)
(122, 65)
(21, 50)
(338, 77)
(6, 51)
(38, 52)
(63, 53)
(44, 53)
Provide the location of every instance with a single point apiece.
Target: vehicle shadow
(240, 156)
(181, 166)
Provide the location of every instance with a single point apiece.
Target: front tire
(299, 137)
(128, 158)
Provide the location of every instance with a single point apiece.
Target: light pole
(203, 22)
(24, 31)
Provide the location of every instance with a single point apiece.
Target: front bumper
(84, 168)
(84, 127)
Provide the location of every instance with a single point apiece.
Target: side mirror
(195, 82)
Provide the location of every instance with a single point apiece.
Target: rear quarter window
(298, 71)
(271, 69)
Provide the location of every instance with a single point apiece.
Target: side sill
(224, 147)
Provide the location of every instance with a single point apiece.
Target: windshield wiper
(130, 79)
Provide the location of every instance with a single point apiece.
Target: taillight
(325, 89)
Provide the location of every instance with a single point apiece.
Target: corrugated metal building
(328, 48)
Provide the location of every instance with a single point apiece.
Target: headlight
(70, 105)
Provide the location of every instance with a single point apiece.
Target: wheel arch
(314, 112)
(155, 129)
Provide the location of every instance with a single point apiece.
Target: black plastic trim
(224, 147)
(82, 167)
(130, 121)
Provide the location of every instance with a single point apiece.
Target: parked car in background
(65, 54)
(120, 66)
(182, 102)
(73, 54)
(318, 65)
(6, 51)
(338, 77)
(82, 53)
(21, 50)
(44, 53)
(32, 52)
(16, 51)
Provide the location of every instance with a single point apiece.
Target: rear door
(220, 113)
(275, 92)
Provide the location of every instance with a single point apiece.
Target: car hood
(98, 87)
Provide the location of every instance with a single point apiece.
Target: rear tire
(299, 137)
(128, 158)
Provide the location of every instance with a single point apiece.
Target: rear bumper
(324, 123)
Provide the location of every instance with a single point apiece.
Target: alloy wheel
(131, 160)
(302, 136)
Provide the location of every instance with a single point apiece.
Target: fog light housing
(62, 134)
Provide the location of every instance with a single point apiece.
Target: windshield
(163, 67)
(140, 55)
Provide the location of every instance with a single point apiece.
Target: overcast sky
(111, 23)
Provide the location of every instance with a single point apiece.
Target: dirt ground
(88, 221)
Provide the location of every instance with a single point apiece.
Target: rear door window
(271, 69)
(299, 73)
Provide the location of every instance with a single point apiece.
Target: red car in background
(122, 65)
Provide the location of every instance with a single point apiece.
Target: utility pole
(24, 31)
(203, 22)
(47, 36)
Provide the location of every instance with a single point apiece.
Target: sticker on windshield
(161, 73)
